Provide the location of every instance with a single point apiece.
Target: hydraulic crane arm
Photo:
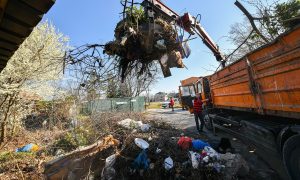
(187, 22)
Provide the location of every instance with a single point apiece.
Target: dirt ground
(263, 164)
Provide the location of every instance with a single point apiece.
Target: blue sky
(94, 21)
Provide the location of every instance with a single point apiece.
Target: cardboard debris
(77, 164)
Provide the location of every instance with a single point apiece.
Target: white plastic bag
(205, 159)
(139, 123)
(108, 172)
(168, 163)
(110, 161)
(211, 152)
(141, 143)
(145, 127)
(195, 159)
(130, 124)
(160, 44)
(126, 123)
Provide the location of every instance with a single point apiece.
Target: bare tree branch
(251, 20)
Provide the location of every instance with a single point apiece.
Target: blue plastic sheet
(141, 161)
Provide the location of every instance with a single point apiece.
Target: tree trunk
(3, 134)
(14, 127)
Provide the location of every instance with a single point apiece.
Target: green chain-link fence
(136, 104)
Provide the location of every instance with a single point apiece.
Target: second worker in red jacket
(197, 106)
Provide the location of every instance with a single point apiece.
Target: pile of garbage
(139, 42)
(154, 153)
(148, 150)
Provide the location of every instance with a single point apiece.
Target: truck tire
(291, 156)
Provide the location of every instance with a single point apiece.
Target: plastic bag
(108, 171)
(141, 161)
(211, 152)
(160, 44)
(139, 123)
(28, 148)
(205, 159)
(195, 157)
(110, 161)
(218, 167)
(168, 163)
(199, 145)
(184, 143)
(141, 143)
(157, 151)
(128, 123)
(145, 127)
(186, 50)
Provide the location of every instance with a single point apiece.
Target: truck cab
(202, 87)
(186, 95)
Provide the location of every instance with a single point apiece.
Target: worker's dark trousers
(197, 117)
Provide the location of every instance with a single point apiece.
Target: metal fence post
(111, 105)
(130, 104)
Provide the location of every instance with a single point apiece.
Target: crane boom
(187, 22)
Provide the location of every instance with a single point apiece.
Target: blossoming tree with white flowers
(38, 61)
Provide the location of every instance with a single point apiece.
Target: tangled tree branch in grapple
(139, 42)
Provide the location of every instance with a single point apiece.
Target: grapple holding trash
(140, 44)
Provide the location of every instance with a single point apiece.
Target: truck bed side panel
(265, 81)
(276, 70)
(230, 87)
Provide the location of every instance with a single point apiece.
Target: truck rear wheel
(291, 156)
